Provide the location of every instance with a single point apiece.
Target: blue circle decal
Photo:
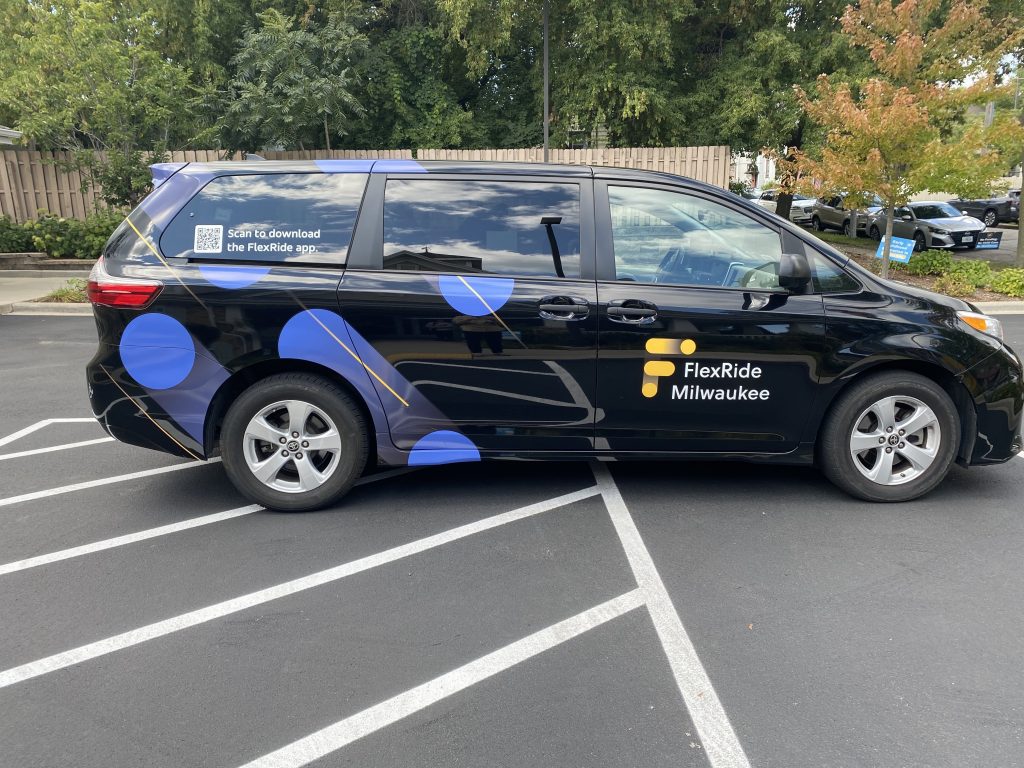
(157, 351)
(443, 447)
(475, 296)
(231, 276)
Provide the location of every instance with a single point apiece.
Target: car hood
(957, 223)
(931, 296)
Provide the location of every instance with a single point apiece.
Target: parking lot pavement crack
(717, 736)
(219, 610)
(344, 732)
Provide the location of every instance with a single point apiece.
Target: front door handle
(564, 308)
(634, 311)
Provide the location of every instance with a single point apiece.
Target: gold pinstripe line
(143, 412)
(495, 314)
(356, 357)
(163, 261)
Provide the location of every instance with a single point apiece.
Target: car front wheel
(294, 442)
(874, 233)
(816, 223)
(920, 243)
(890, 437)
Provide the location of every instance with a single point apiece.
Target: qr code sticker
(208, 238)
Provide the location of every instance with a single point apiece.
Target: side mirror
(906, 217)
(794, 272)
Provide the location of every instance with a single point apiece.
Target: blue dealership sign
(989, 240)
(900, 250)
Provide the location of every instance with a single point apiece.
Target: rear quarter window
(291, 218)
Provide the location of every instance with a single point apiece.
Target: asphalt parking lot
(502, 614)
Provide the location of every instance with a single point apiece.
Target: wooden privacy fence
(33, 181)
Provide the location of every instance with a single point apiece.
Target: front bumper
(996, 386)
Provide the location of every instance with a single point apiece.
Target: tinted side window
(829, 278)
(672, 237)
(491, 227)
(288, 217)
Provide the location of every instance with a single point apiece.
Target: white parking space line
(64, 447)
(130, 538)
(39, 425)
(163, 530)
(218, 610)
(103, 481)
(344, 732)
(716, 733)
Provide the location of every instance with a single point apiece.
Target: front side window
(269, 218)
(488, 227)
(681, 239)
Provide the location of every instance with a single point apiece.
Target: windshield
(935, 211)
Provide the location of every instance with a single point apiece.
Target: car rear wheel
(989, 218)
(890, 437)
(293, 442)
(846, 228)
(874, 233)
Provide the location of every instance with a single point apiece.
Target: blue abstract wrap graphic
(443, 447)
(344, 166)
(475, 296)
(189, 402)
(231, 276)
(401, 413)
(157, 351)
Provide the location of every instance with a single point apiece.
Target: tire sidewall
(324, 395)
(837, 461)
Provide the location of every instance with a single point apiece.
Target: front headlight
(983, 323)
(938, 231)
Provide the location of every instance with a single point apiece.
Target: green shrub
(1009, 281)
(977, 273)
(954, 285)
(14, 237)
(63, 238)
(932, 262)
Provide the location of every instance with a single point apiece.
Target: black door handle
(564, 308)
(634, 311)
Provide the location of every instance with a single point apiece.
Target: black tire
(989, 218)
(836, 459)
(816, 224)
(874, 233)
(920, 243)
(846, 228)
(322, 394)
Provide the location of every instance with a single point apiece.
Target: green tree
(905, 130)
(88, 74)
(293, 82)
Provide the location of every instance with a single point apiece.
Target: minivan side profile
(304, 320)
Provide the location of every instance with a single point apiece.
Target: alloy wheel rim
(895, 440)
(292, 446)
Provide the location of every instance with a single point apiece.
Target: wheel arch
(935, 372)
(245, 377)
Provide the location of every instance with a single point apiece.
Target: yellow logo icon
(659, 369)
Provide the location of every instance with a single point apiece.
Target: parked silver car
(799, 211)
(930, 225)
(831, 213)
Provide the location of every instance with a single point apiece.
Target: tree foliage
(903, 130)
(88, 74)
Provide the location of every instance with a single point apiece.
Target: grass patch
(838, 238)
(72, 292)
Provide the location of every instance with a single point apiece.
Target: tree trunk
(327, 135)
(888, 240)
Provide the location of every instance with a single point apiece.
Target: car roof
(409, 166)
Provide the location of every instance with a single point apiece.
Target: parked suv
(305, 320)
(991, 210)
(831, 213)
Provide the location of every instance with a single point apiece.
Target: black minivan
(305, 319)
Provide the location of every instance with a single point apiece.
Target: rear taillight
(124, 292)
